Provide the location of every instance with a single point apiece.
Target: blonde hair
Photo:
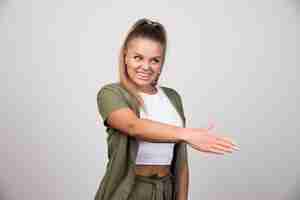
(142, 28)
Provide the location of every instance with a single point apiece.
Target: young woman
(145, 122)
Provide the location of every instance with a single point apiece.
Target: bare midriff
(148, 170)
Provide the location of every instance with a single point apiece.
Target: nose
(146, 66)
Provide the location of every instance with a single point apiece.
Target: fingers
(226, 141)
(223, 145)
(209, 142)
(228, 145)
(223, 141)
(221, 149)
(216, 149)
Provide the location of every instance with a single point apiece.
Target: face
(143, 59)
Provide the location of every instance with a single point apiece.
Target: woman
(145, 123)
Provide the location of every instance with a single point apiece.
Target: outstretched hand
(205, 140)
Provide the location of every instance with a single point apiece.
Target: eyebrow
(142, 55)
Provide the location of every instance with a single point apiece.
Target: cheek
(132, 65)
(131, 70)
(157, 68)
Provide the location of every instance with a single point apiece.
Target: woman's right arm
(125, 120)
(199, 138)
(117, 114)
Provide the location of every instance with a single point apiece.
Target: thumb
(211, 126)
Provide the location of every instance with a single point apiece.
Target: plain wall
(233, 62)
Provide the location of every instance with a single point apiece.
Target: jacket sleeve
(109, 99)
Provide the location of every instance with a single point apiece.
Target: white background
(233, 62)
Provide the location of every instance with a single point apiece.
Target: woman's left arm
(183, 183)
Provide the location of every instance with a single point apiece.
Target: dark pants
(152, 188)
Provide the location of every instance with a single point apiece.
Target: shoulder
(114, 91)
(114, 87)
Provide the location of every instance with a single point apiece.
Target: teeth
(143, 75)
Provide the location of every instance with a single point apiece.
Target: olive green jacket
(119, 177)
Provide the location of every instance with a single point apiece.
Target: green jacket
(119, 177)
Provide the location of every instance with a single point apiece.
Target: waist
(150, 170)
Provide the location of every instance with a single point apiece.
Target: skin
(143, 59)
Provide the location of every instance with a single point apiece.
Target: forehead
(145, 47)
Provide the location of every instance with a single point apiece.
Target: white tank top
(158, 108)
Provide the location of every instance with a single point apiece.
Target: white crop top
(158, 108)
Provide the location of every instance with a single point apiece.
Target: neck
(149, 89)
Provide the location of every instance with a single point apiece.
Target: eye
(156, 60)
(137, 57)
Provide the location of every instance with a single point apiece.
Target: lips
(143, 75)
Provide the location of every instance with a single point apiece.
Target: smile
(143, 76)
